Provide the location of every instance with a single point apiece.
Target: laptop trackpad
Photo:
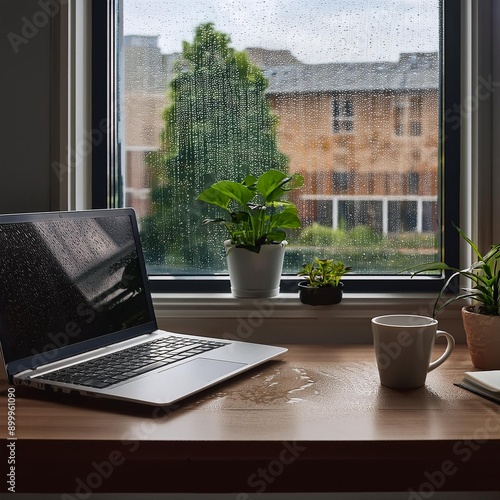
(171, 384)
(203, 369)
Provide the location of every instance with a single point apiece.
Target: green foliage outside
(319, 235)
(218, 125)
(362, 248)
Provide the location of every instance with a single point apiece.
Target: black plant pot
(320, 296)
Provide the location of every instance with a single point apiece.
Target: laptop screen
(68, 279)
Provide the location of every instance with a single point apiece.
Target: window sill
(284, 319)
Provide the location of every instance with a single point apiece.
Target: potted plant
(255, 216)
(323, 285)
(482, 319)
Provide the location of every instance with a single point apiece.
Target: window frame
(106, 156)
(107, 159)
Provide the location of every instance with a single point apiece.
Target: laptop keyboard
(131, 362)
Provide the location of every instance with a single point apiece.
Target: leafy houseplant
(261, 215)
(481, 320)
(323, 285)
(256, 217)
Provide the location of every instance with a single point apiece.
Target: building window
(342, 182)
(398, 119)
(413, 183)
(325, 212)
(429, 216)
(415, 128)
(415, 115)
(342, 115)
(298, 88)
(403, 216)
(362, 216)
(407, 115)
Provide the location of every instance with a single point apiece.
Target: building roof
(414, 71)
(147, 70)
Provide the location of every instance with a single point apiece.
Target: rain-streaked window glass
(345, 93)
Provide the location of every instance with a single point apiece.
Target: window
(368, 170)
(407, 115)
(402, 216)
(415, 112)
(342, 115)
(398, 119)
(413, 179)
(415, 128)
(342, 181)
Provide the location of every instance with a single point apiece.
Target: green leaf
(239, 217)
(469, 241)
(430, 266)
(250, 181)
(286, 184)
(234, 190)
(295, 182)
(269, 181)
(494, 253)
(255, 207)
(218, 220)
(286, 219)
(276, 235)
(215, 197)
(452, 299)
(324, 272)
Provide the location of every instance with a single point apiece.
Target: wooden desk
(317, 420)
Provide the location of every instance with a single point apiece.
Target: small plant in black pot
(323, 286)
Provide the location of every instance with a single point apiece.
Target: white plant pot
(255, 275)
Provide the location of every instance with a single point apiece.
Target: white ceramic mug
(403, 348)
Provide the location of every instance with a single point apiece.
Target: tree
(218, 125)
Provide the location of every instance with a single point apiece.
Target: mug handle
(449, 348)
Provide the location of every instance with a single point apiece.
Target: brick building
(364, 135)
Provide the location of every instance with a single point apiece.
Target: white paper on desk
(489, 379)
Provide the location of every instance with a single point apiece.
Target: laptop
(76, 314)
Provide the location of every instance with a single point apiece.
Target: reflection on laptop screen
(66, 280)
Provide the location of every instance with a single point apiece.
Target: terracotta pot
(483, 338)
(320, 296)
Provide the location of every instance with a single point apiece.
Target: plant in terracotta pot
(323, 285)
(482, 318)
(256, 216)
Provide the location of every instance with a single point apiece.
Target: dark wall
(25, 125)
(495, 132)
